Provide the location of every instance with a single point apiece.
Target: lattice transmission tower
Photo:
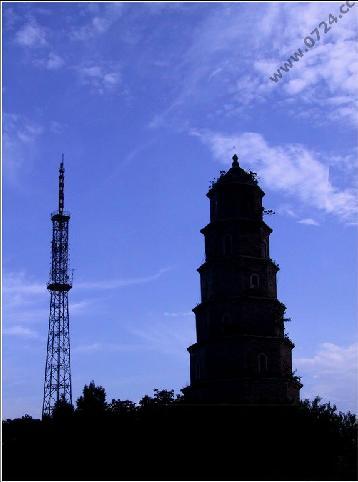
(57, 384)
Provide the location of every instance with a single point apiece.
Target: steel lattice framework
(57, 384)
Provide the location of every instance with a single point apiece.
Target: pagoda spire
(235, 160)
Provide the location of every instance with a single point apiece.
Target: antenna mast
(58, 384)
(61, 187)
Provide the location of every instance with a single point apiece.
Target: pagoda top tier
(235, 175)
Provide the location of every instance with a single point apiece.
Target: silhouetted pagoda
(242, 354)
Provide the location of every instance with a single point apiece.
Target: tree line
(164, 438)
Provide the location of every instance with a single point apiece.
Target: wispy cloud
(22, 128)
(27, 301)
(286, 210)
(167, 338)
(98, 19)
(100, 77)
(290, 168)
(78, 307)
(10, 17)
(121, 283)
(56, 127)
(329, 71)
(18, 284)
(332, 373)
(31, 34)
(309, 221)
(18, 330)
(220, 56)
(175, 314)
(19, 142)
(88, 348)
(51, 61)
(108, 347)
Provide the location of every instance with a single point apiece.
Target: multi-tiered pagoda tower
(242, 354)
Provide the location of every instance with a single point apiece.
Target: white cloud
(10, 17)
(132, 154)
(332, 373)
(27, 301)
(18, 330)
(54, 61)
(17, 284)
(175, 314)
(167, 338)
(56, 127)
(286, 209)
(99, 19)
(290, 168)
(51, 61)
(120, 283)
(225, 57)
(107, 347)
(19, 142)
(17, 126)
(78, 307)
(31, 35)
(101, 78)
(309, 221)
(88, 348)
(327, 72)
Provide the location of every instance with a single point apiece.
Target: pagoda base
(248, 391)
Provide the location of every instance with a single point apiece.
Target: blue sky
(148, 102)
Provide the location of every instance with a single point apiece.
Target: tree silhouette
(161, 398)
(26, 417)
(147, 402)
(121, 407)
(308, 441)
(62, 409)
(93, 400)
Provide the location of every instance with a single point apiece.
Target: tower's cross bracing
(57, 384)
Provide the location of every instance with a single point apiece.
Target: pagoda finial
(235, 161)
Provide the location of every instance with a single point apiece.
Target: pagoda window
(248, 207)
(226, 319)
(204, 287)
(197, 374)
(226, 323)
(262, 363)
(227, 244)
(254, 280)
(264, 248)
(214, 208)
